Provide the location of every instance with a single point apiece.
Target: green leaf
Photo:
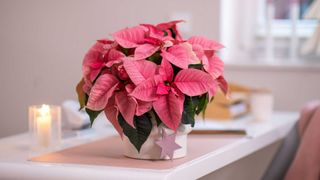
(195, 101)
(202, 106)
(82, 97)
(188, 112)
(152, 113)
(156, 58)
(196, 66)
(140, 134)
(125, 51)
(92, 114)
(165, 33)
(205, 108)
(174, 34)
(176, 69)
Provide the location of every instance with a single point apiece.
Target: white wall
(42, 43)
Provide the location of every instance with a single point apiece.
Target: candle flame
(44, 110)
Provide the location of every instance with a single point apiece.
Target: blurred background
(269, 44)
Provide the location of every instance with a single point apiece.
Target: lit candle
(43, 121)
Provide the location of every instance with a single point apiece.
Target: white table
(14, 153)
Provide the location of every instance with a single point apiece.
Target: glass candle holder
(45, 126)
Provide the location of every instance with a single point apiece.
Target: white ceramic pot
(150, 150)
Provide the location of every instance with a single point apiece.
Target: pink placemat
(109, 152)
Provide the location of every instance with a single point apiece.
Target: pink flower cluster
(150, 66)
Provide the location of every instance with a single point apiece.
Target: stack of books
(231, 107)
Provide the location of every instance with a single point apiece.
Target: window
(282, 23)
(247, 25)
(282, 10)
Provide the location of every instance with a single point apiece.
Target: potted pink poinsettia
(150, 83)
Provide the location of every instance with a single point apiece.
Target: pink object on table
(306, 164)
(168, 144)
(109, 152)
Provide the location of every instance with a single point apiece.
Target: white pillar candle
(43, 121)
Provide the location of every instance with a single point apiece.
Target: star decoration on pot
(167, 144)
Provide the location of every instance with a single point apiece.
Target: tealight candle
(45, 125)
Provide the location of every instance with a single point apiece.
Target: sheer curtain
(237, 28)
